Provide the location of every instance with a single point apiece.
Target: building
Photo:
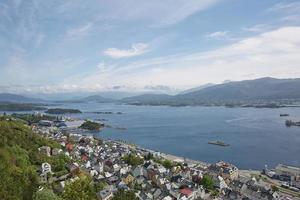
(226, 170)
(45, 123)
(290, 172)
(105, 194)
(45, 150)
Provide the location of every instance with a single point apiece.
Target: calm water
(257, 136)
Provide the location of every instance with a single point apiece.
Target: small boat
(219, 143)
(284, 115)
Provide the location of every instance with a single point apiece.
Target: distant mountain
(93, 98)
(14, 98)
(253, 91)
(258, 89)
(196, 88)
(96, 98)
(148, 99)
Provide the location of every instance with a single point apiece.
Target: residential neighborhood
(117, 166)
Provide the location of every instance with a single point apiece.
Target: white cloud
(135, 50)
(218, 34)
(158, 12)
(286, 7)
(291, 18)
(79, 31)
(274, 53)
(257, 28)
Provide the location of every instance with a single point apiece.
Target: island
(61, 111)
(91, 126)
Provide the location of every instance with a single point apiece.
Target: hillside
(261, 90)
(20, 160)
(14, 98)
(258, 89)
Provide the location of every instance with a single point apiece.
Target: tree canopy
(80, 189)
(45, 194)
(124, 195)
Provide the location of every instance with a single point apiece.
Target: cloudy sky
(137, 45)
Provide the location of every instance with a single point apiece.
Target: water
(256, 136)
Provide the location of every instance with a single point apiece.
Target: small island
(91, 126)
(61, 111)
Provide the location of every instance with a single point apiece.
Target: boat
(291, 123)
(219, 143)
(284, 115)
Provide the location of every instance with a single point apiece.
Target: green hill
(20, 160)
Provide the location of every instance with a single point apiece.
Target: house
(73, 168)
(94, 172)
(105, 194)
(167, 198)
(45, 173)
(45, 123)
(113, 179)
(128, 179)
(46, 168)
(219, 183)
(226, 170)
(45, 150)
(98, 167)
(124, 170)
(69, 147)
(187, 193)
(139, 171)
(56, 151)
(116, 167)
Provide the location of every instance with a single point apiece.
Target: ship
(219, 143)
(291, 123)
(284, 115)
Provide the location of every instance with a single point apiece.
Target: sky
(141, 45)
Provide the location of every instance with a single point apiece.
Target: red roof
(69, 147)
(84, 157)
(186, 191)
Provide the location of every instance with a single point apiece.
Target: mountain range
(248, 91)
(253, 91)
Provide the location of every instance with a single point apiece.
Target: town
(117, 166)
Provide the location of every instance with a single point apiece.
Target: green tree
(45, 194)
(167, 164)
(133, 160)
(207, 182)
(80, 189)
(100, 186)
(124, 195)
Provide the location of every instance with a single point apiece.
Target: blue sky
(140, 45)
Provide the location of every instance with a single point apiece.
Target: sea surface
(257, 136)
